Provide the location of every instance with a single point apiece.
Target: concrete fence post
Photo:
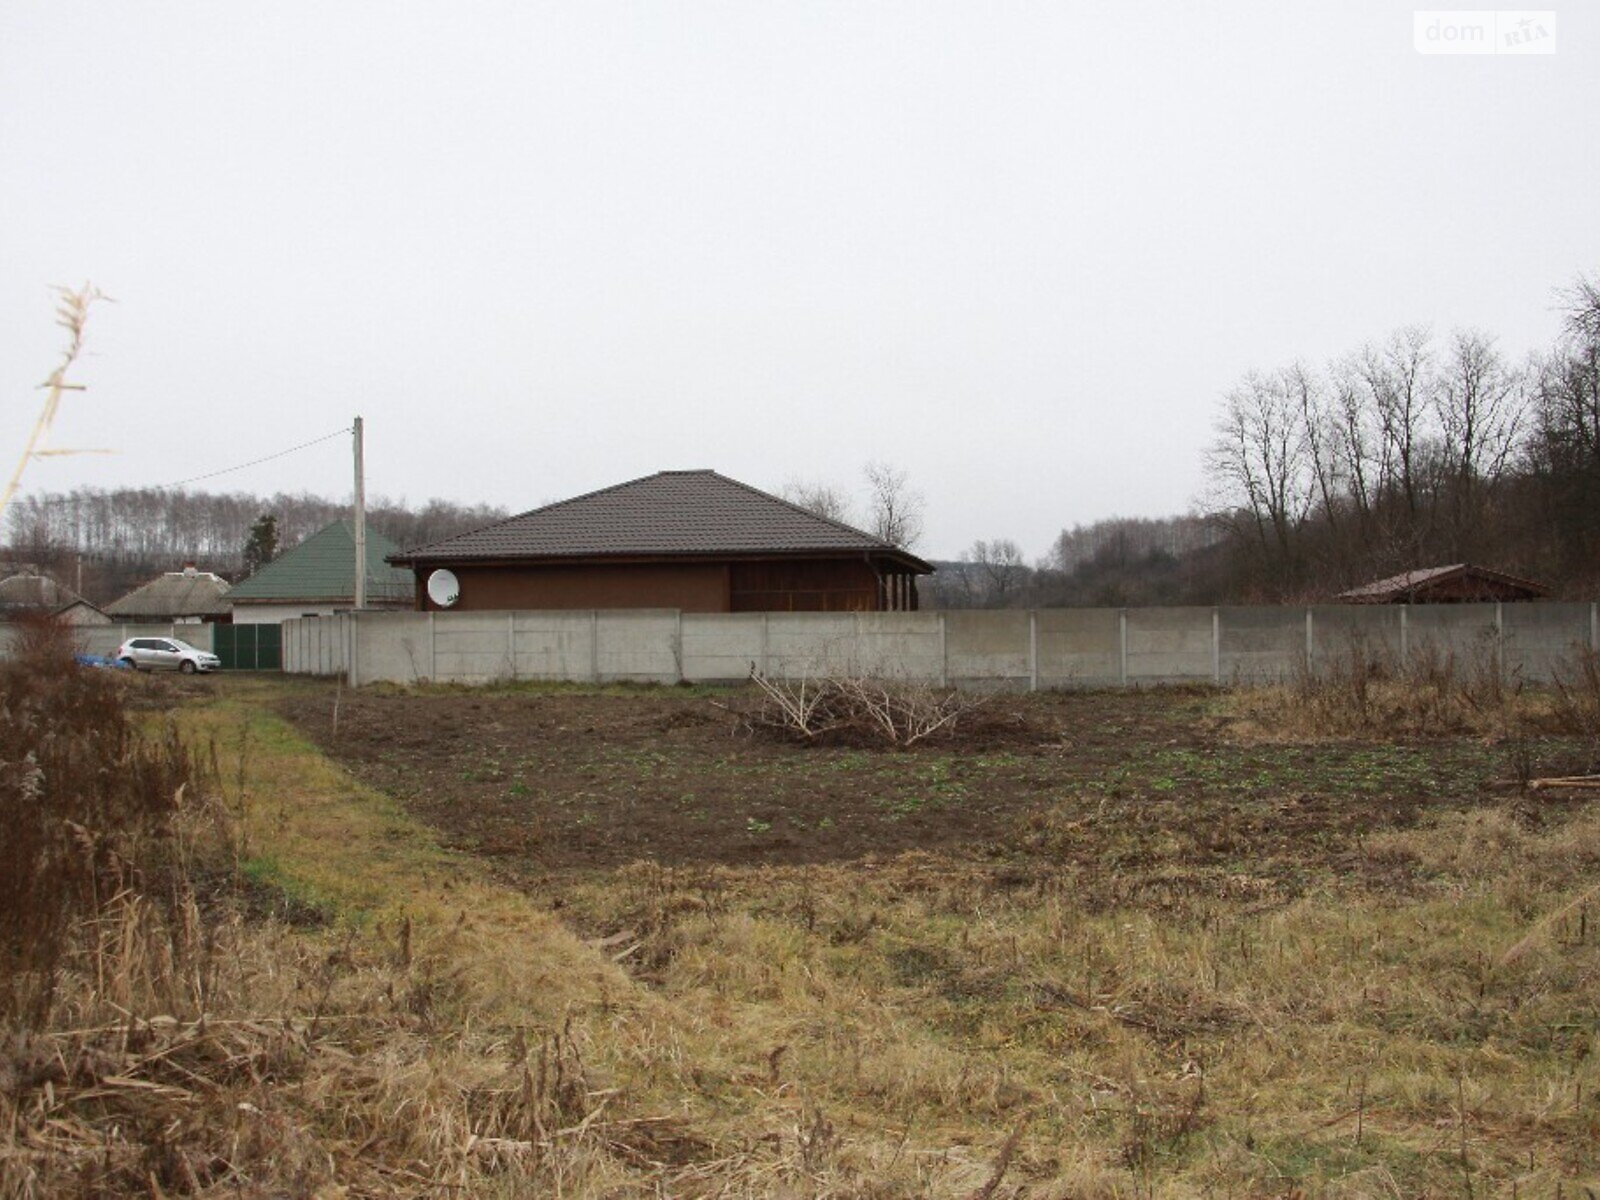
(594, 645)
(1216, 646)
(1405, 635)
(1122, 646)
(352, 657)
(1033, 650)
(766, 650)
(677, 645)
(433, 647)
(1499, 638)
(1311, 639)
(944, 652)
(511, 644)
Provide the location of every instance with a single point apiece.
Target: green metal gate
(248, 647)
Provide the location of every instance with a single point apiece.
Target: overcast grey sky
(1017, 249)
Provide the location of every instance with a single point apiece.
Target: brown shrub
(1363, 691)
(87, 808)
(1577, 695)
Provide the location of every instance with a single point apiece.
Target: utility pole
(360, 521)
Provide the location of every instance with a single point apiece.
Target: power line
(256, 462)
(36, 503)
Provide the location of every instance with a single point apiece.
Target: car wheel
(186, 666)
(129, 663)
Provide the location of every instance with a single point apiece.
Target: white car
(165, 654)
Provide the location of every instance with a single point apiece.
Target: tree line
(1111, 563)
(1416, 450)
(1410, 452)
(120, 537)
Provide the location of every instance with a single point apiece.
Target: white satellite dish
(444, 589)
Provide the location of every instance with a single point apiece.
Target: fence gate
(249, 647)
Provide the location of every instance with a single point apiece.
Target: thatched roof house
(178, 597)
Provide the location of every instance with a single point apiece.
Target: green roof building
(318, 578)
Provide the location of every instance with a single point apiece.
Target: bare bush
(1363, 690)
(857, 708)
(1577, 695)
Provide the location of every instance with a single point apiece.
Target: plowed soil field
(558, 780)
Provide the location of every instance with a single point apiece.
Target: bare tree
(1359, 444)
(1565, 449)
(1583, 311)
(819, 498)
(1482, 411)
(1320, 421)
(1397, 379)
(1000, 569)
(894, 507)
(1260, 464)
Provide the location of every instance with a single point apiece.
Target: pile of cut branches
(856, 708)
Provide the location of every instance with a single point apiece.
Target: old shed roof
(175, 594)
(31, 591)
(1457, 578)
(669, 514)
(323, 568)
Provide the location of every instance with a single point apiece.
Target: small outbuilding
(318, 578)
(696, 541)
(186, 597)
(81, 612)
(1460, 583)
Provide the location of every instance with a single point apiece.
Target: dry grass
(1363, 692)
(1212, 1044)
(88, 812)
(1577, 697)
(916, 1027)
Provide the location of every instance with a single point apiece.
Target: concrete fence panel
(1337, 631)
(1541, 639)
(811, 644)
(1050, 648)
(721, 647)
(1259, 644)
(472, 647)
(1468, 632)
(554, 645)
(1078, 647)
(1170, 645)
(988, 649)
(391, 648)
(104, 639)
(639, 646)
(900, 646)
(316, 645)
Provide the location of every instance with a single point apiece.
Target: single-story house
(186, 597)
(1460, 583)
(318, 578)
(81, 612)
(29, 591)
(691, 540)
